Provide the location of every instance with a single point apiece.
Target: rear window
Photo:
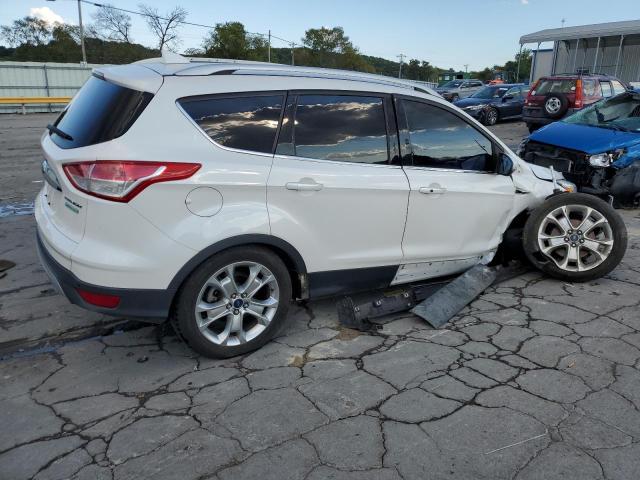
(244, 122)
(555, 86)
(100, 111)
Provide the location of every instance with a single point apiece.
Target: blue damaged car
(597, 148)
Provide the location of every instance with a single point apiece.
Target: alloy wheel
(492, 116)
(553, 105)
(575, 237)
(237, 303)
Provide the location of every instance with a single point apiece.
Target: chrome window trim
(334, 162)
(455, 170)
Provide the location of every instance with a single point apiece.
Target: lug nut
(228, 306)
(566, 239)
(236, 311)
(579, 232)
(246, 305)
(244, 295)
(582, 240)
(570, 231)
(573, 244)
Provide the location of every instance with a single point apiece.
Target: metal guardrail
(23, 101)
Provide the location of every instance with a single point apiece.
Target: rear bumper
(149, 305)
(536, 116)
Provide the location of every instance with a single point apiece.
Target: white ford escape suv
(214, 193)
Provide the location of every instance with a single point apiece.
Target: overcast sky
(446, 33)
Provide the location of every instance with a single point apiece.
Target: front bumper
(477, 113)
(149, 305)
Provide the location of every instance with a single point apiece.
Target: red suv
(554, 97)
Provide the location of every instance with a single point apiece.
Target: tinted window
(441, 139)
(244, 122)
(100, 111)
(513, 92)
(555, 86)
(345, 128)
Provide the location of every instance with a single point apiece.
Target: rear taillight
(120, 181)
(532, 91)
(99, 299)
(577, 103)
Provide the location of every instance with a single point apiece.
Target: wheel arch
(283, 249)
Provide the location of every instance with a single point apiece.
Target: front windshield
(617, 113)
(452, 84)
(490, 92)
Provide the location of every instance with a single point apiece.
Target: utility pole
(466, 68)
(562, 22)
(401, 57)
(292, 49)
(84, 53)
(269, 51)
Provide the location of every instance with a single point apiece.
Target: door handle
(304, 186)
(432, 190)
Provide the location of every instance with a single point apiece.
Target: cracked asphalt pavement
(536, 379)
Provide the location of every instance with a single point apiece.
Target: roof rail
(266, 69)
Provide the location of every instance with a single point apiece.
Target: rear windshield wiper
(60, 133)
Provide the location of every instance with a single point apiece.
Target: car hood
(469, 101)
(584, 138)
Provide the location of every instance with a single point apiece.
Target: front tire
(575, 237)
(234, 303)
(490, 117)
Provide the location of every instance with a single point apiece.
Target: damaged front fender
(625, 185)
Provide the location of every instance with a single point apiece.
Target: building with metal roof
(611, 48)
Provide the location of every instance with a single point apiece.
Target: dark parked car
(495, 102)
(597, 148)
(554, 97)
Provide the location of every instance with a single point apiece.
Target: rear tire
(234, 302)
(575, 237)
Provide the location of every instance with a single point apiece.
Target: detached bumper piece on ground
(435, 302)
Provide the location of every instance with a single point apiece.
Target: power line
(143, 14)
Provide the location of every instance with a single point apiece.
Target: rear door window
(245, 122)
(606, 89)
(346, 128)
(590, 88)
(100, 111)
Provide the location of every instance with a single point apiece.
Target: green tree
(511, 67)
(330, 47)
(231, 40)
(27, 30)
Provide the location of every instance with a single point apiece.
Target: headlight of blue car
(600, 160)
(474, 107)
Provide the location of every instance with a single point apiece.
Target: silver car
(457, 89)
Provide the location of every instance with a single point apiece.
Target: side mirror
(505, 165)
